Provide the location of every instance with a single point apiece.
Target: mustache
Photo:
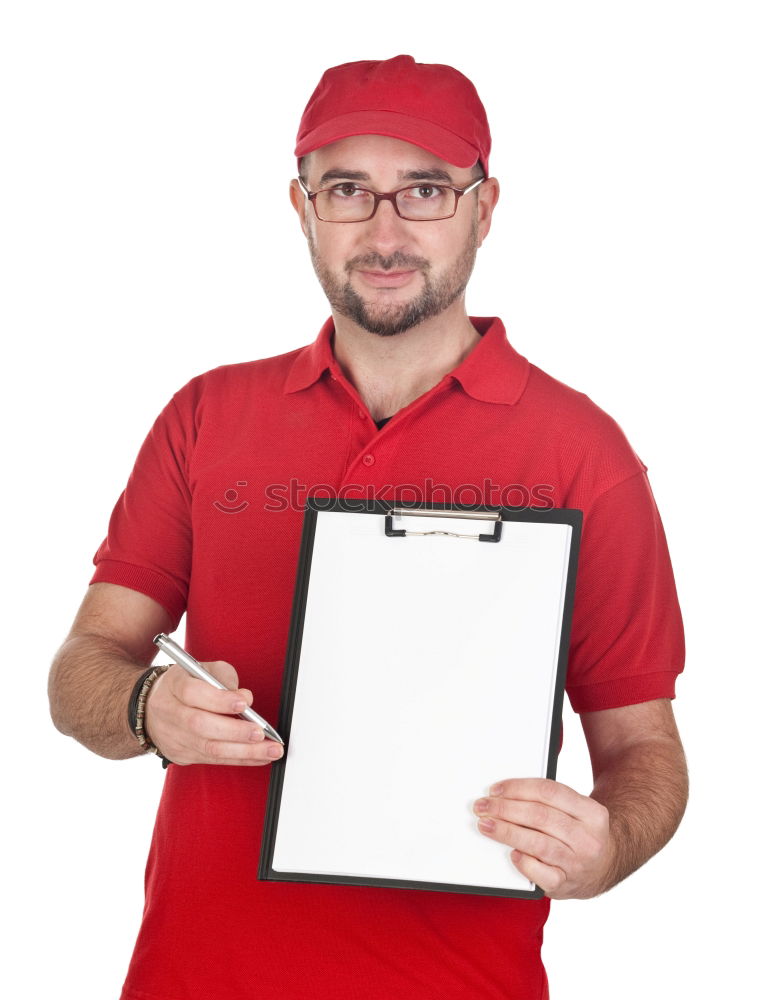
(376, 262)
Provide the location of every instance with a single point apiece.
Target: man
(400, 387)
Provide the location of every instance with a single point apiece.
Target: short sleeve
(627, 639)
(148, 544)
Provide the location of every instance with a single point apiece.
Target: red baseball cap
(428, 104)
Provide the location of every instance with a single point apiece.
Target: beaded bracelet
(136, 708)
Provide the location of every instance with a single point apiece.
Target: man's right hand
(96, 669)
(191, 722)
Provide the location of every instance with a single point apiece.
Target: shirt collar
(493, 371)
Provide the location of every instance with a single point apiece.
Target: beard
(387, 319)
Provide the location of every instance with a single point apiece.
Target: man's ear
(299, 201)
(488, 196)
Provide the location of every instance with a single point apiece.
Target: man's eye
(424, 192)
(347, 190)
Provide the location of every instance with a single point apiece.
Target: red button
(368, 460)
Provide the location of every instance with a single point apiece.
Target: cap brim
(425, 134)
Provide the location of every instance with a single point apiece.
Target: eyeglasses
(347, 202)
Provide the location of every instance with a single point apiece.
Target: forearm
(645, 789)
(89, 688)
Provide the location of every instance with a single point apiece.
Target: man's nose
(386, 230)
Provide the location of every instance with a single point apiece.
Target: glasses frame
(391, 196)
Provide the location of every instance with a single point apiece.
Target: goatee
(387, 320)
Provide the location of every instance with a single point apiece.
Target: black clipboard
(406, 621)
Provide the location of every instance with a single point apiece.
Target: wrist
(612, 869)
(137, 710)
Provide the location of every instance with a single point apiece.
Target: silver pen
(191, 665)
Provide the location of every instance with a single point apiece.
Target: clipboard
(426, 660)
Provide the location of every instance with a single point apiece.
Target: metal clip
(426, 512)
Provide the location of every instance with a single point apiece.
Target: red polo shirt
(210, 522)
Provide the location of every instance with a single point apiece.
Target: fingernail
(486, 824)
(497, 789)
(238, 706)
(482, 806)
(275, 752)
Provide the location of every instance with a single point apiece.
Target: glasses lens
(426, 201)
(345, 203)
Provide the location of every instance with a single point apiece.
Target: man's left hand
(561, 840)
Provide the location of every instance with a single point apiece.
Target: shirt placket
(370, 447)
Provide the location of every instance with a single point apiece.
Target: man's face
(389, 274)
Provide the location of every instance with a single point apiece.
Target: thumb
(224, 672)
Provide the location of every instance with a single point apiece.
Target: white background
(147, 236)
